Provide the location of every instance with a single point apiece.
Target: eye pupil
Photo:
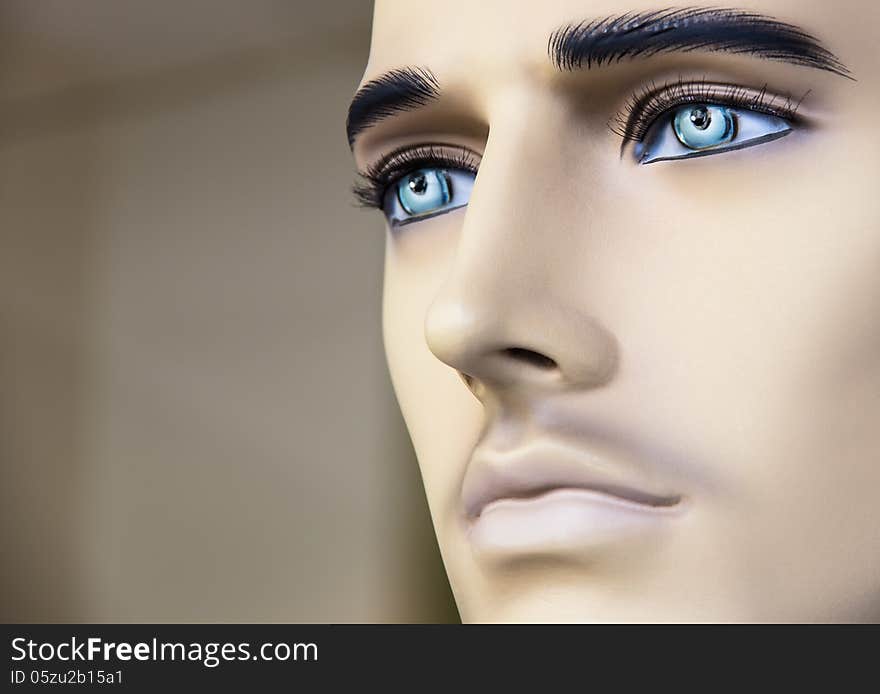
(700, 117)
(418, 183)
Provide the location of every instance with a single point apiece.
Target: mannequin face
(642, 377)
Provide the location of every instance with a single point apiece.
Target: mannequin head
(632, 301)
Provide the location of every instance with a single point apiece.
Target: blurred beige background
(196, 422)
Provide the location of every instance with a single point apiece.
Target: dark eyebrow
(598, 42)
(398, 90)
(643, 34)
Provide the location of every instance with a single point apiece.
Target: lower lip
(564, 520)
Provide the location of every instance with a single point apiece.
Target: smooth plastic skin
(672, 410)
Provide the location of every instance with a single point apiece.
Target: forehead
(499, 35)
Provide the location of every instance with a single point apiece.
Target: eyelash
(631, 125)
(652, 101)
(375, 181)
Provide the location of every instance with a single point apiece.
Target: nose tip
(532, 344)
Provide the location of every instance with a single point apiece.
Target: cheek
(441, 415)
(809, 501)
(764, 336)
(757, 296)
(820, 501)
(750, 335)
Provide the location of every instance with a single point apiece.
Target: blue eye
(423, 191)
(701, 127)
(427, 192)
(697, 130)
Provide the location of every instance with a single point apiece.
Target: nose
(509, 315)
(504, 341)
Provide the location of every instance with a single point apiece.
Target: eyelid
(406, 154)
(646, 106)
(429, 215)
(376, 179)
(729, 147)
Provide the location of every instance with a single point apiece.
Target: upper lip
(546, 464)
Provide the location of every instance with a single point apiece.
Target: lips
(540, 468)
(549, 498)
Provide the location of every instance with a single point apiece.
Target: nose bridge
(503, 314)
(501, 219)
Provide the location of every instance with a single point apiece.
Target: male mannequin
(641, 374)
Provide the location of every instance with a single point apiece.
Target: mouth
(612, 493)
(548, 496)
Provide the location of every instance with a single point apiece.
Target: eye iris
(703, 126)
(424, 191)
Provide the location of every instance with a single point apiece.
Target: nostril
(530, 357)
